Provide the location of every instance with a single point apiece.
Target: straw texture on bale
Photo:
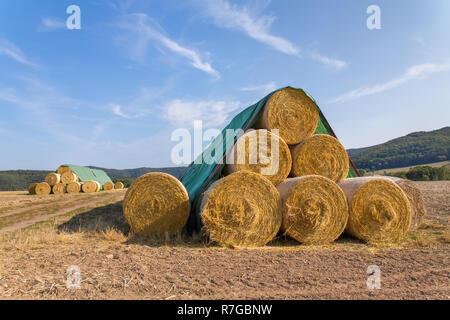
(68, 177)
(63, 169)
(108, 186)
(73, 187)
(53, 178)
(253, 152)
(320, 154)
(118, 185)
(32, 188)
(379, 210)
(43, 188)
(241, 210)
(418, 210)
(155, 204)
(314, 209)
(292, 112)
(90, 187)
(59, 188)
(99, 186)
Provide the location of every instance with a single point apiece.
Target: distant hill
(135, 173)
(413, 149)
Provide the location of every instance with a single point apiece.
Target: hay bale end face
(241, 210)
(379, 210)
(292, 112)
(315, 209)
(108, 186)
(53, 178)
(118, 185)
(69, 177)
(90, 186)
(59, 188)
(155, 204)
(63, 169)
(32, 188)
(262, 152)
(322, 155)
(73, 187)
(43, 188)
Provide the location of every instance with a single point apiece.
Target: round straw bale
(118, 185)
(418, 210)
(99, 186)
(73, 187)
(89, 186)
(32, 188)
(63, 169)
(320, 154)
(292, 112)
(108, 186)
(155, 204)
(59, 188)
(53, 178)
(253, 152)
(68, 177)
(43, 188)
(241, 210)
(379, 210)
(314, 209)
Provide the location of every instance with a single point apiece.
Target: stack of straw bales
(299, 188)
(65, 181)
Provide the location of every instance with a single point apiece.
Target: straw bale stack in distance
(63, 169)
(379, 210)
(253, 152)
(73, 187)
(68, 177)
(292, 112)
(118, 185)
(418, 210)
(108, 186)
(43, 188)
(59, 188)
(53, 178)
(157, 203)
(320, 154)
(314, 209)
(32, 188)
(241, 210)
(90, 187)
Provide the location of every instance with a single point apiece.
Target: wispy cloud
(212, 113)
(263, 88)
(241, 18)
(12, 51)
(48, 24)
(116, 109)
(415, 72)
(146, 29)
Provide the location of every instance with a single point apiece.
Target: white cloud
(331, 62)
(264, 88)
(413, 73)
(10, 50)
(212, 113)
(117, 111)
(140, 23)
(51, 24)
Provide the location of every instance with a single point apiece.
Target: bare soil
(115, 264)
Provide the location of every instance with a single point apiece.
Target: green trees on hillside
(424, 173)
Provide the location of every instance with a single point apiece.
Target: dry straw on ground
(241, 210)
(90, 187)
(68, 177)
(59, 188)
(73, 187)
(157, 203)
(292, 112)
(108, 186)
(418, 210)
(118, 185)
(262, 152)
(43, 188)
(63, 169)
(315, 209)
(320, 154)
(379, 210)
(32, 188)
(53, 178)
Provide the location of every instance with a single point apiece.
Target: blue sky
(112, 93)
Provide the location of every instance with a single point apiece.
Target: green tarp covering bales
(85, 174)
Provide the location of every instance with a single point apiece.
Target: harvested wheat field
(89, 231)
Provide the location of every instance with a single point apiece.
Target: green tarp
(200, 175)
(85, 174)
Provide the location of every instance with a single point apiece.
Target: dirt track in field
(116, 265)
